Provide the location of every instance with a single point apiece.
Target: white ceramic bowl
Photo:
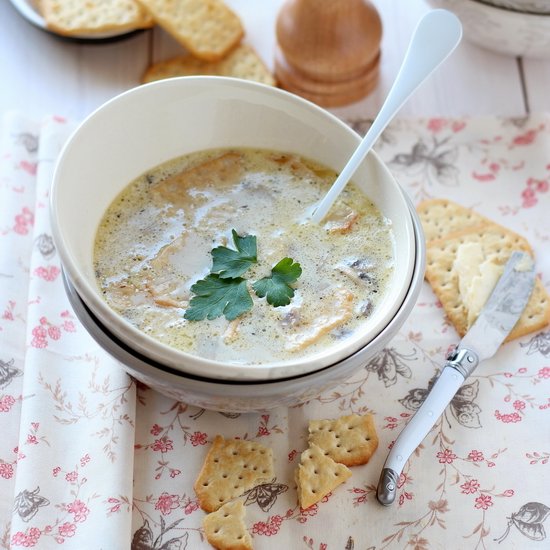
(151, 124)
(233, 396)
(501, 30)
(529, 6)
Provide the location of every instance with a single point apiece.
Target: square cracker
(232, 467)
(208, 29)
(242, 62)
(441, 217)
(73, 17)
(317, 475)
(497, 243)
(225, 528)
(349, 440)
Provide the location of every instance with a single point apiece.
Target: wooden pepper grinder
(328, 51)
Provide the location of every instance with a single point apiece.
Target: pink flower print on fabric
(48, 274)
(483, 501)
(164, 444)
(476, 456)
(67, 529)
(27, 539)
(6, 470)
(533, 188)
(166, 503)
(446, 456)
(29, 167)
(269, 527)
(6, 403)
(469, 487)
(46, 330)
(79, 510)
(23, 221)
(199, 438)
(508, 418)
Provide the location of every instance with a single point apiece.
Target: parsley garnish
(216, 296)
(276, 288)
(233, 263)
(224, 291)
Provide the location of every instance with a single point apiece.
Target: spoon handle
(436, 36)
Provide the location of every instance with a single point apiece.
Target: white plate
(29, 11)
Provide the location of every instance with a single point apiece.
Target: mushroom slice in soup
(335, 309)
(359, 270)
(340, 219)
(219, 171)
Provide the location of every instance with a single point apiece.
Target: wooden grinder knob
(328, 51)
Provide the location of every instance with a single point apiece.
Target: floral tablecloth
(91, 460)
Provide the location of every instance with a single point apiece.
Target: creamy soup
(155, 241)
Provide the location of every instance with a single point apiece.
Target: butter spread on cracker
(477, 277)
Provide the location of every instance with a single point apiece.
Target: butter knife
(495, 321)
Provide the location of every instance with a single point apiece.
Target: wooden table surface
(44, 74)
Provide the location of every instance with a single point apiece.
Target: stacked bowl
(511, 27)
(151, 124)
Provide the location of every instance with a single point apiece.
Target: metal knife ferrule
(463, 360)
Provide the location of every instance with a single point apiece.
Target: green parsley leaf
(216, 297)
(276, 288)
(230, 263)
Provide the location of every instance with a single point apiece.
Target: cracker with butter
(465, 259)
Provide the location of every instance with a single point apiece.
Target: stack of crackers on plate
(234, 466)
(209, 31)
(449, 226)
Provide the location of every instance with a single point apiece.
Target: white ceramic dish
(529, 6)
(28, 10)
(162, 120)
(501, 30)
(251, 397)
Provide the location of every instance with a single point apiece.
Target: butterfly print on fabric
(362, 125)
(265, 494)
(27, 503)
(435, 163)
(7, 373)
(28, 141)
(540, 343)
(462, 405)
(143, 538)
(529, 521)
(45, 246)
(388, 364)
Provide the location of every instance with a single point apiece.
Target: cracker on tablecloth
(232, 467)
(317, 475)
(497, 243)
(225, 528)
(441, 217)
(242, 62)
(75, 17)
(349, 440)
(208, 29)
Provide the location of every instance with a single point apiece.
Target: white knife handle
(416, 430)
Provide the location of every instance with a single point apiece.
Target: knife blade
(495, 321)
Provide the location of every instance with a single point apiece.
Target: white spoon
(436, 36)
